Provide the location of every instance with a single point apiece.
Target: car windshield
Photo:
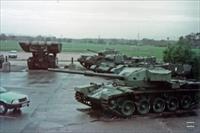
(2, 90)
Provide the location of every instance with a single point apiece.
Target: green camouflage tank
(142, 90)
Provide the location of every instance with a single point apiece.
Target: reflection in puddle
(101, 115)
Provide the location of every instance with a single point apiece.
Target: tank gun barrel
(93, 51)
(87, 73)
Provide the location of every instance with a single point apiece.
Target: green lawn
(81, 47)
(9, 45)
(126, 49)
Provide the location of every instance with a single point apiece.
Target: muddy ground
(53, 108)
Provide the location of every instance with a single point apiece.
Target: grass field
(81, 48)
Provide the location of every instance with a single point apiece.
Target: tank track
(148, 98)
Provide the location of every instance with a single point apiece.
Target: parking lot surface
(54, 109)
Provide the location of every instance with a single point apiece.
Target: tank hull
(126, 102)
(106, 62)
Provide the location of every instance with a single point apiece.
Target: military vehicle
(141, 90)
(107, 63)
(88, 61)
(179, 70)
(43, 54)
(109, 59)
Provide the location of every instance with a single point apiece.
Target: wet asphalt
(53, 109)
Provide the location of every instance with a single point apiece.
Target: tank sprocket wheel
(158, 105)
(143, 106)
(186, 102)
(172, 104)
(127, 108)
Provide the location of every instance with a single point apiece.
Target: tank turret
(108, 59)
(141, 90)
(96, 60)
(93, 51)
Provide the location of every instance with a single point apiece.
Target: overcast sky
(107, 19)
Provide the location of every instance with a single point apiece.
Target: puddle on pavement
(14, 115)
(99, 115)
(179, 114)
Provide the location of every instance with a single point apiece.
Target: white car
(12, 54)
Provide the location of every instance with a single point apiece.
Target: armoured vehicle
(179, 70)
(109, 62)
(141, 90)
(88, 61)
(109, 59)
(43, 54)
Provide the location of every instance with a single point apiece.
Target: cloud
(105, 18)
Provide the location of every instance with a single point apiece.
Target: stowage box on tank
(142, 90)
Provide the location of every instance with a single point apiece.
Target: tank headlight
(112, 102)
(15, 101)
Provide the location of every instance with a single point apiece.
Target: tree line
(103, 41)
(182, 53)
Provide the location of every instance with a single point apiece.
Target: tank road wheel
(113, 104)
(127, 108)
(158, 105)
(143, 106)
(186, 102)
(87, 66)
(172, 104)
(3, 108)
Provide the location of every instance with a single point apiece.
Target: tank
(109, 62)
(43, 54)
(179, 70)
(141, 90)
(88, 61)
(119, 62)
(105, 61)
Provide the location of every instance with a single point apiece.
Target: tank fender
(139, 98)
(87, 89)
